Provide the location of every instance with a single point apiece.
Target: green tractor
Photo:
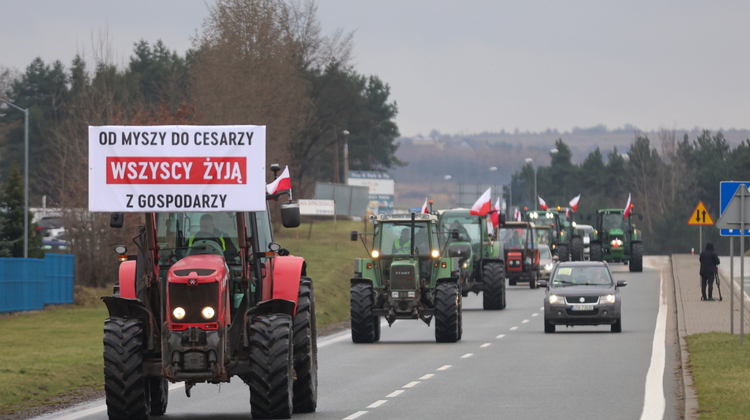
(565, 240)
(482, 259)
(617, 240)
(405, 278)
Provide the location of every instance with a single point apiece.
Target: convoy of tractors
(207, 295)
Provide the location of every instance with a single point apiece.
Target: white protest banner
(183, 168)
(316, 207)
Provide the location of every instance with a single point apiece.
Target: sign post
(700, 217)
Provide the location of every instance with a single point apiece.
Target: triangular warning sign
(700, 216)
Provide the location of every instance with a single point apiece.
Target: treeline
(262, 62)
(666, 178)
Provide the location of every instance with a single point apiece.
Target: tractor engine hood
(404, 275)
(197, 293)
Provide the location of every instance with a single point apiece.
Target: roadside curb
(689, 397)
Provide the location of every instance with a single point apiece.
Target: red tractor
(207, 296)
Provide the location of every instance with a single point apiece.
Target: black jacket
(709, 260)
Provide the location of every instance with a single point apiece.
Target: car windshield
(544, 253)
(581, 276)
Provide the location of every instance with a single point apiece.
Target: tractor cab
(521, 245)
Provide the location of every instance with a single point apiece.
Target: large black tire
(549, 327)
(125, 384)
(595, 253)
(271, 374)
(361, 301)
(493, 281)
(617, 326)
(158, 391)
(562, 252)
(447, 313)
(576, 249)
(376, 328)
(534, 280)
(305, 350)
(636, 256)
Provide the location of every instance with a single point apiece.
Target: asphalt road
(505, 367)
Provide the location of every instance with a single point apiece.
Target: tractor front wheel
(493, 280)
(361, 301)
(158, 391)
(576, 249)
(305, 350)
(271, 374)
(636, 256)
(125, 384)
(595, 254)
(448, 318)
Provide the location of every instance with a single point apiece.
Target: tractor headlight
(208, 312)
(435, 253)
(616, 243)
(607, 299)
(178, 313)
(465, 265)
(375, 253)
(556, 300)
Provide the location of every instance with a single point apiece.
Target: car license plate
(582, 308)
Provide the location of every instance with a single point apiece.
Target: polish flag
(542, 204)
(574, 203)
(627, 208)
(495, 216)
(281, 183)
(424, 207)
(517, 215)
(482, 206)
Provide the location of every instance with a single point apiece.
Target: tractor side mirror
(588, 217)
(640, 217)
(116, 220)
(454, 234)
(354, 236)
(290, 217)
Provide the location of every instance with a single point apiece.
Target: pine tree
(11, 235)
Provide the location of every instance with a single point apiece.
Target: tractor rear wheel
(595, 252)
(563, 253)
(636, 256)
(125, 384)
(305, 350)
(493, 280)
(158, 391)
(533, 280)
(361, 301)
(271, 374)
(447, 313)
(576, 249)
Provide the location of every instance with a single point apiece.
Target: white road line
(467, 355)
(542, 308)
(535, 314)
(446, 367)
(377, 403)
(84, 413)
(654, 402)
(500, 336)
(410, 384)
(513, 328)
(428, 376)
(524, 321)
(355, 415)
(395, 393)
(485, 345)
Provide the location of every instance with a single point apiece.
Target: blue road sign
(726, 192)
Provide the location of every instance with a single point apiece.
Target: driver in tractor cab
(516, 241)
(208, 230)
(402, 244)
(463, 234)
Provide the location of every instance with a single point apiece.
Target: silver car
(546, 262)
(582, 293)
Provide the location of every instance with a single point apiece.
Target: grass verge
(47, 357)
(720, 370)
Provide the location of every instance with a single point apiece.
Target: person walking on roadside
(709, 260)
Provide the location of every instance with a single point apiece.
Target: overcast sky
(473, 66)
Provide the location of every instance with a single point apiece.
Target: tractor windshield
(513, 238)
(468, 227)
(395, 238)
(613, 221)
(183, 234)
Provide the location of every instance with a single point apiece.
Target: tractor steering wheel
(205, 246)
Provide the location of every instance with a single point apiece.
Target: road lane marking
(84, 413)
(654, 401)
(485, 345)
(446, 367)
(524, 321)
(513, 328)
(467, 355)
(542, 308)
(395, 393)
(428, 376)
(377, 403)
(355, 415)
(410, 384)
(500, 336)
(535, 314)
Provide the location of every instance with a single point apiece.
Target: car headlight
(607, 299)
(435, 253)
(548, 267)
(375, 253)
(208, 312)
(556, 300)
(178, 313)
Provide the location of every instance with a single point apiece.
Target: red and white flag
(482, 206)
(627, 208)
(281, 183)
(517, 215)
(574, 203)
(425, 209)
(495, 216)
(542, 204)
